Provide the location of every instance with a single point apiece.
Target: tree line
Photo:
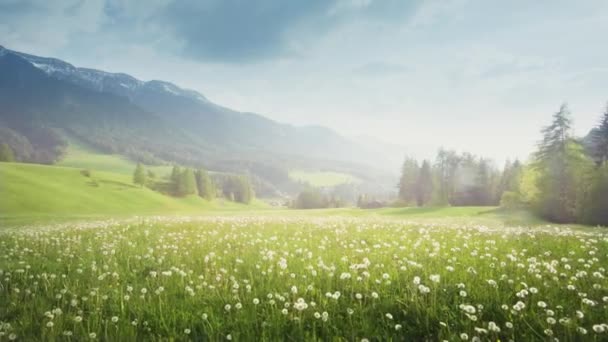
(565, 180)
(186, 181)
(455, 179)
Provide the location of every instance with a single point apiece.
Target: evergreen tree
(561, 164)
(175, 180)
(204, 184)
(360, 201)
(407, 182)
(509, 184)
(186, 184)
(139, 176)
(446, 166)
(595, 207)
(245, 192)
(424, 184)
(599, 141)
(6, 153)
(482, 186)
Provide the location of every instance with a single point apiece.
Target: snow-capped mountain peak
(102, 81)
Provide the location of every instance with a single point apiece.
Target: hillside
(40, 190)
(43, 99)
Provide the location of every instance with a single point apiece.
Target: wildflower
(114, 319)
(187, 331)
(519, 306)
(493, 327)
(256, 301)
(92, 336)
(300, 305)
(435, 278)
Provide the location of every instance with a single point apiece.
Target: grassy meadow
(301, 278)
(94, 257)
(41, 192)
(322, 178)
(81, 156)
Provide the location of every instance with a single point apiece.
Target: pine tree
(408, 180)
(424, 184)
(139, 176)
(174, 180)
(244, 193)
(186, 184)
(446, 166)
(204, 184)
(360, 201)
(561, 164)
(482, 184)
(600, 140)
(6, 153)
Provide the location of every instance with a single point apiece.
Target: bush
(86, 172)
(510, 200)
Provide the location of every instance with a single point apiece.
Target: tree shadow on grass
(515, 217)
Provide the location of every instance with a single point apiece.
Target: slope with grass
(322, 178)
(30, 190)
(80, 155)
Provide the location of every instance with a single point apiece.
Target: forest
(565, 180)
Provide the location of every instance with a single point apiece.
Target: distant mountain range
(42, 99)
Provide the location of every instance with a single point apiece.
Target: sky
(472, 75)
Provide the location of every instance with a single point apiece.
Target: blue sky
(475, 75)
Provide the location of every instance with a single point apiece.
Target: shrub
(86, 172)
(510, 200)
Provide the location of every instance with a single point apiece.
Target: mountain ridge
(158, 121)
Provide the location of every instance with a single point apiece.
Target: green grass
(81, 156)
(287, 278)
(30, 190)
(322, 178)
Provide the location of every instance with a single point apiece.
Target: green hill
(82, 156)
(323, 178)
(31, 190)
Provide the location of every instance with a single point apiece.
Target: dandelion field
(282, 278)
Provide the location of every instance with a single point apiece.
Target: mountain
(42, 100)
